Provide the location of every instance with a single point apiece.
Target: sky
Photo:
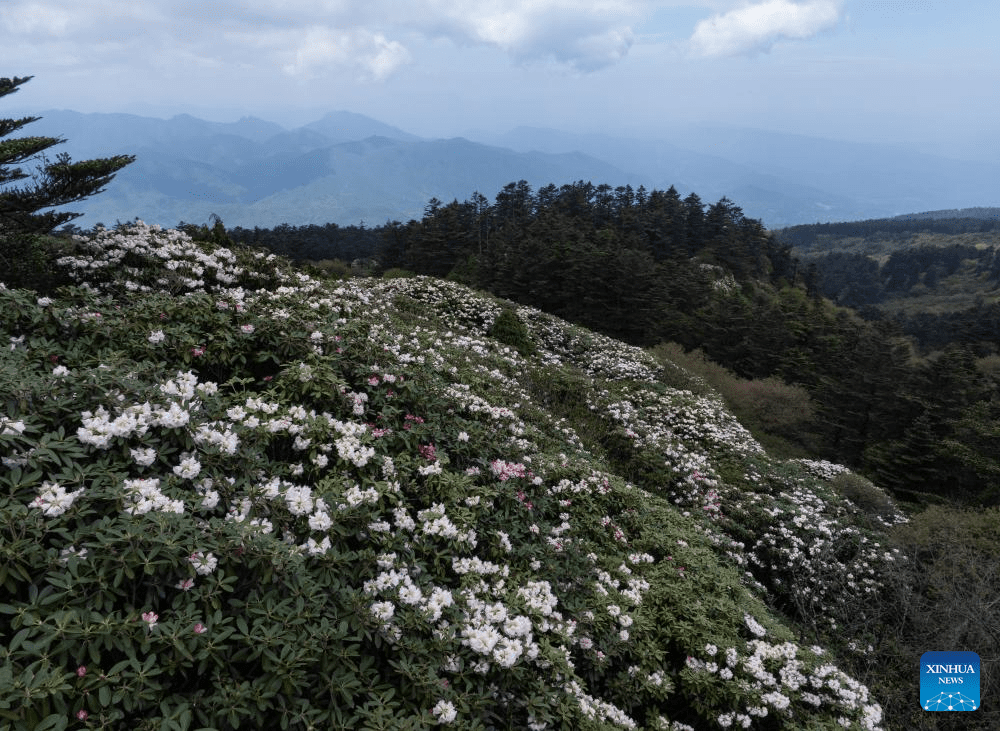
(920, 73)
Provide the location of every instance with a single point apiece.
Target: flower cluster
(143, 495)
(53, 499)
(786, 678)
(142, 258)
(813, 554)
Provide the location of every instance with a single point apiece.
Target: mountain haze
(343, 168)
(782, 178)
(346, 168)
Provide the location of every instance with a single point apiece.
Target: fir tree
(54, 184)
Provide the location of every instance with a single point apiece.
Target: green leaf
(18, 639)
(53, 722)
(121, 665)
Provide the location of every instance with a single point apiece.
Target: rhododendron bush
(233, 496)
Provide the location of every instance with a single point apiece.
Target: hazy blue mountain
(346, 126)
(111, 134)
(380, 179)
(343, 168)
(889, 176)
(346, 167)
(784, 178)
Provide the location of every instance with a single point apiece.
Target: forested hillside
(888, 233)
(937, 279)
(650, 267)
(614, 259)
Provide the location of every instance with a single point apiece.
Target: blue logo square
(949, 681)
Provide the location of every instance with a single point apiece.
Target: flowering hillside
(234, 496)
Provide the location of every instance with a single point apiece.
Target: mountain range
(348, 168)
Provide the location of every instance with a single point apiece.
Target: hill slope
(937, 278)
(253, 499)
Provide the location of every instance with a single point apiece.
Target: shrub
(771, 405)
(330, 268)
(868, 497)
(397, 273)
(779, 414)
(510, 330)
(951, 583)
(690, 371)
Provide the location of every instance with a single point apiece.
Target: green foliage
(28, 262)
(396, 273)
(865, 494)
(509, 330)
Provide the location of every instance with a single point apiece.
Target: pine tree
(665, 225)
(694, 215)
(23, 254)
(722, 240)
(55, 184)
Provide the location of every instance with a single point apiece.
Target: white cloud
(756, 28)
(592, 52)
(322, 49)
(34, 18)
(314, 39)
(584, 34)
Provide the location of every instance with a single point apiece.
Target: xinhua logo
(949, 681)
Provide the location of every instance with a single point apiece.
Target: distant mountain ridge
(979, 213)
(347, 168)
(785, 179)
(347, 126)
(343, 168)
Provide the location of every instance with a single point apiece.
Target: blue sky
(916, 72)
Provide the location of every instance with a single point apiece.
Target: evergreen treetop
(54, 184)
